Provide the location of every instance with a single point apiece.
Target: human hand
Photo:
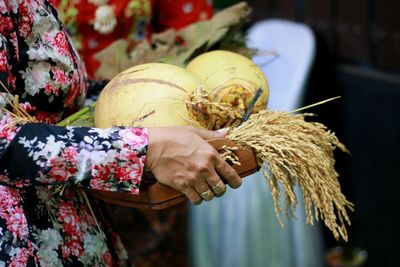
(181, 158)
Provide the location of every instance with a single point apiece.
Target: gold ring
(206, 195)
(217, 188)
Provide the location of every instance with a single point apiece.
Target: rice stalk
(298, 152)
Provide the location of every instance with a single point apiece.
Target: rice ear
(298, 153)
(295, 151)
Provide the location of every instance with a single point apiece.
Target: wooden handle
(159, 196)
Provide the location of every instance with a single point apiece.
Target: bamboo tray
(157, 196)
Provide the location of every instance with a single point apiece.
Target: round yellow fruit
(231, 78)
(146, 95)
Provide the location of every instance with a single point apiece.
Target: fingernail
(223, 131)
(238, 184)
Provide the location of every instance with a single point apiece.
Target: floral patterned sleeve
(37, 153)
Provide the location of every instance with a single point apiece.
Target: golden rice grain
(298, 153)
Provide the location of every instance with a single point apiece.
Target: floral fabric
(46, 218)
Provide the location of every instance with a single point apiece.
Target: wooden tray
(159, 196)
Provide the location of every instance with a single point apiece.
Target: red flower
(20, 259)
(60, 76)
(51, 89)
(60, 174)
(61, 44)
(104, 172)
(101, 185)
(65, 250)
(6, 25)
(27, 107)
(26, 19)
(9, 197)
(14, 41)
(72, 247)
(3, 60)
(66, 212)
(70, 154)
(75, 248)
(71, 222)
(135, 137)
(122, 173)
(16, 223)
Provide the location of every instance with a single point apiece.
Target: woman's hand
(181, 158)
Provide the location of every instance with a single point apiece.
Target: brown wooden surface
(319, 16)
(386, 35)
(360, 32)
(159, 196)
(351, 30)
(286, 9)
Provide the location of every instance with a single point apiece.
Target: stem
(77, 115)
(315, 104)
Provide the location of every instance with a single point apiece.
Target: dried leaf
(113, 60)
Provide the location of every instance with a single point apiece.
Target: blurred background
(358, 58)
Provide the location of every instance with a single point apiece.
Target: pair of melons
(155, 94)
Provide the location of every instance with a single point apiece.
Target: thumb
(207, 134)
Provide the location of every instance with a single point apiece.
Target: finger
(227, 173)
(193, 196)
(204, 190)
(216, 184)
(206, 134)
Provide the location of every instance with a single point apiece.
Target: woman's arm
(111, 159)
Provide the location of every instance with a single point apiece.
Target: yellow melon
(231, 78)
(147, 95)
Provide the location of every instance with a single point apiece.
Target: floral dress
(46, 219)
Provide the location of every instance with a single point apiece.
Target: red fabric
(179, 13)
(166, 14)
(92, 41)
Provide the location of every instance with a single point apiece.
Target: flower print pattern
(37, 226)
(35, 77)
